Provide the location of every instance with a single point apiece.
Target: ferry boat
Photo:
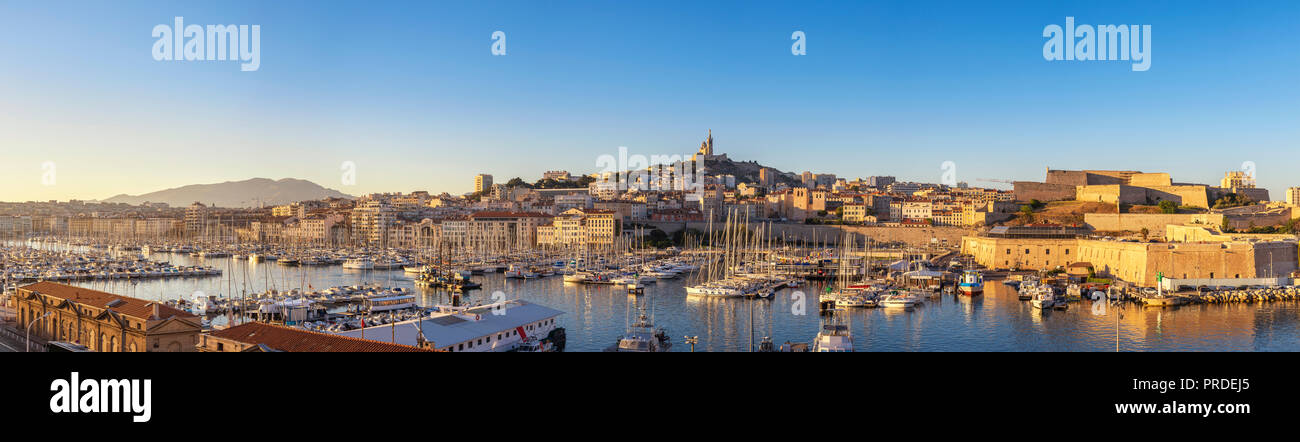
(971, 283)
(387, 303)
(515, 325)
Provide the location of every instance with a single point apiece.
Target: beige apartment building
(591, 227)
(857, 213)
(625, 211)
(505, 230)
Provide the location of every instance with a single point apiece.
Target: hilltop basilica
(706, 150)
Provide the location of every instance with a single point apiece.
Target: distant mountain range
(254, 192)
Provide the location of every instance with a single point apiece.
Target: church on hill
(706, 150)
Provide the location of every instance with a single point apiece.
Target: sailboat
(642, 336)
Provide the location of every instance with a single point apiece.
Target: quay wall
(1137, 262)
(912, 236)
(1172, 284)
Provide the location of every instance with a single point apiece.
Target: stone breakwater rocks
(1247, 295)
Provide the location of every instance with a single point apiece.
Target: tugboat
(971, 283)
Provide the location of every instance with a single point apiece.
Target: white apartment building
(371, 219)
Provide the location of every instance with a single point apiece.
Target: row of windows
(1045, 251)
(500, 336)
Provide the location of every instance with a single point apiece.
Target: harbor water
(596, 315)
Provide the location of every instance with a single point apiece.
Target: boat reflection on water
(594, 316)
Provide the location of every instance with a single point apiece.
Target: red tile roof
(291, 339)
(138, 308)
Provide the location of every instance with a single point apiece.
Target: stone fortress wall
(1124, 187)
(1138, 262)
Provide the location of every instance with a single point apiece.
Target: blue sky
(411, 93)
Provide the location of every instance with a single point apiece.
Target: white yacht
(894, 299)
(516, 270)
(359, 264)
(714, 290)
(855, 300)
(833, 337)
(576, 277)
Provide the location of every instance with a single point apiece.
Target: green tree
(1168, 206)
(1292, 226)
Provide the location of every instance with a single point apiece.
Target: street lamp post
(29, 330)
